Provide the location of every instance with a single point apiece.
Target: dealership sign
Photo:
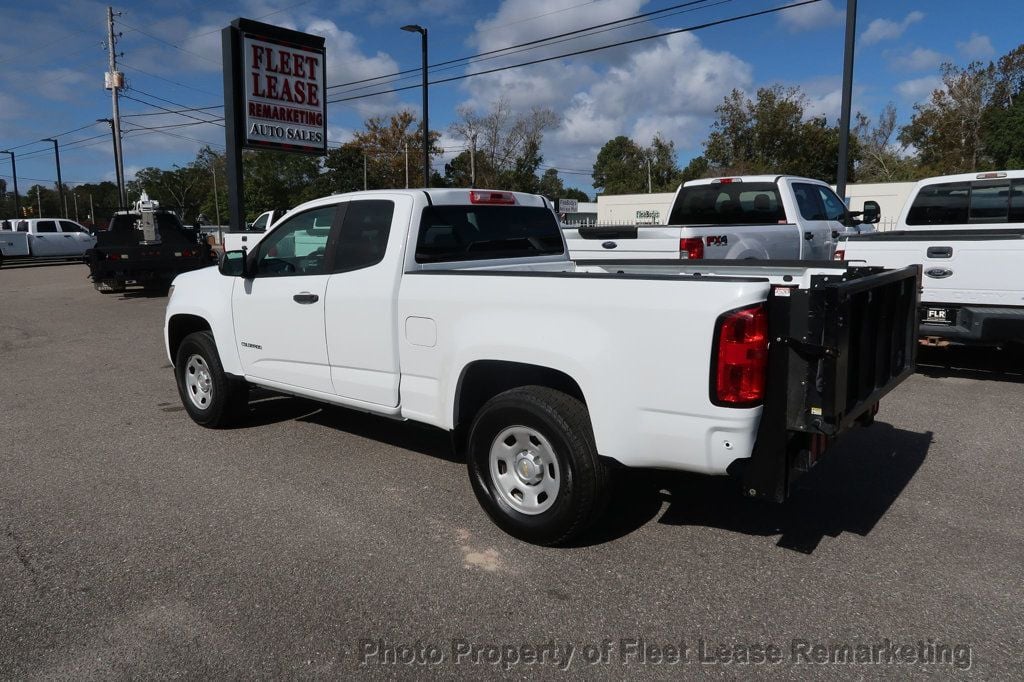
(279, 88)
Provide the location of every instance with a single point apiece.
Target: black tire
(565, 423)
(227, 401)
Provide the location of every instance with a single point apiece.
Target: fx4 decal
(717, 240)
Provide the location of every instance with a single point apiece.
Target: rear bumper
(976, 324)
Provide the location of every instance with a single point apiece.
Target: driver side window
(298, 246)
(834, 208)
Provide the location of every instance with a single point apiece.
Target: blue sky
(52, 64)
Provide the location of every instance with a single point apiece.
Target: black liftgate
(834, 350)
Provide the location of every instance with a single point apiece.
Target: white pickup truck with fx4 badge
(461, 309)
(751, 217)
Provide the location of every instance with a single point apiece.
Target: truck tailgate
(975, 266)
(623, 241)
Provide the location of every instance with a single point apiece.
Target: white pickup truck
(966, 232)
(43, 238)
(249, 237)
(758, 217)
(461, 309)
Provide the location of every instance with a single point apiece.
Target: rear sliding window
(969, 203)
(735, 203)
(454, 233)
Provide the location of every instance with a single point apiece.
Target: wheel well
(484, 379)
(181, 326)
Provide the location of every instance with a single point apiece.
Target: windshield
(452, 233)
(735, 203)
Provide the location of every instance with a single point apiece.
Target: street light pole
(14, 173)
(844, 115)
(60, 183)
(416, 28)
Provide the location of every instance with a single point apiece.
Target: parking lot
(319, 541)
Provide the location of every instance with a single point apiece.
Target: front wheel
(211, 397)
(534, 466)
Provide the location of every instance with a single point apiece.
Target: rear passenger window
(942, 204)
(46, 226)
(363, 238)
(1016, 202)
(22, 226)
(989, 202)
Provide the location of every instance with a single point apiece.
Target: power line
(176, 111)
(526, 44)
(168, 80)
(66, 132)
(216, 122)
(588, 33)
(161, 40)
(599, 48)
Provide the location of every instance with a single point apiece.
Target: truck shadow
(850, 490)
(986, 364)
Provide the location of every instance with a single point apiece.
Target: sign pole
(231, 46)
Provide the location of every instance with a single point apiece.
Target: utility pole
(14, 173)
(648, 174)
(364, 170)
(60, 183)
(39, 199)
(114, 82)
(407, 163)
(74, 195)
(216, 201)
(92, 211)
(472, 161)
(844, 114)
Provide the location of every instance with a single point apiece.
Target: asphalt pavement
(319, 542)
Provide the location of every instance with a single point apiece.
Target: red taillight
(840, 254)
(691, 247)
(485, 197)
(741, 361)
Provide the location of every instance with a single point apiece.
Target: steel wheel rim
(198, 382)
(524, 470)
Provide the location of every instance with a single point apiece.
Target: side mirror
(232, 264)
(872, 212)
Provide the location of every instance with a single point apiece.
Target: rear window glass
(942, 204)
(46, 226)
(454, 233)
(749, 203)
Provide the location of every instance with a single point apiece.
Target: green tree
(577, 194)
(772, 134)
(620, 167)
(879, 160)
(386, 141)
(696, 169)
(1002, 123)
(551, 185)
(661, 157)
(508, 145)
(946, 130)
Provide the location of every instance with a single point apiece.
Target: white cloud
(809, 17)
(885, 29)
(918, 89)
(976, 47)
(919, 59)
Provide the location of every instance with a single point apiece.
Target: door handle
(808, 236)
(305, 298)
(940, 251)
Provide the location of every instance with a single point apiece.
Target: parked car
(748, 217)
(147, 246)
(43, 239)
(254, 232)
(461, 309)
(966, 232)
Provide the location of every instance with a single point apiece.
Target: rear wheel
(534, 466)
(210, 396)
